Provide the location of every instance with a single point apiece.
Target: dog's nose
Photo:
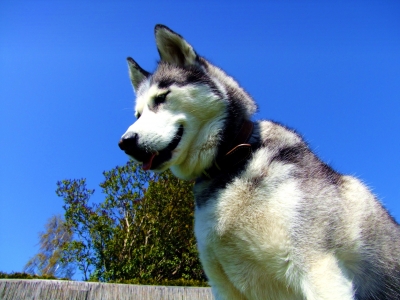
(128, 144)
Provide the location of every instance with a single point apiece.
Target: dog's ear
(136, 73)
(173, 48)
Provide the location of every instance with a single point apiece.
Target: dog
(272, 221)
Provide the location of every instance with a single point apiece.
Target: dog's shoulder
(281, 145)
(279, 139)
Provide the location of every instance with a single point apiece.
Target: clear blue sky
(329, 69)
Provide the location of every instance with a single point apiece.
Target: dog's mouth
(155, 159)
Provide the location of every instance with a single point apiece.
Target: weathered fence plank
(17, 289)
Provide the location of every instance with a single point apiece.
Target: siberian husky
(272, 221)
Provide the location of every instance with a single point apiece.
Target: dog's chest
(241, 228)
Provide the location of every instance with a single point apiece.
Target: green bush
(143, 228)
(18, 275)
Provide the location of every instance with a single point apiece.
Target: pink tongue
(147, 164)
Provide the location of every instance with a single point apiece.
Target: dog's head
(181, 109)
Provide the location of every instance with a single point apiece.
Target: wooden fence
(17, 289)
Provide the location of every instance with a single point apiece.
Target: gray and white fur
(280, 225)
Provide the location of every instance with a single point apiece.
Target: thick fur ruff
(280, 225)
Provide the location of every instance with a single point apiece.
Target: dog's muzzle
(151, 159)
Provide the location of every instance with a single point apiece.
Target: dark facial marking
(159, 99)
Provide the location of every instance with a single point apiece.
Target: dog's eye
(160, 98)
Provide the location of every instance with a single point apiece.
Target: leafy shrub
(19, 275)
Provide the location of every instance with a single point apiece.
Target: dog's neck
(236, 153)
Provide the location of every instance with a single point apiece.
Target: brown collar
(240, 151)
